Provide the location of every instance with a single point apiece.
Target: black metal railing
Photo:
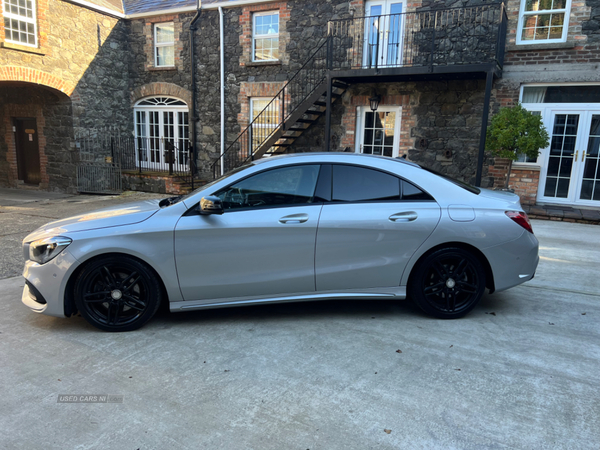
(160, 155)
(303, 83)
(468, 35)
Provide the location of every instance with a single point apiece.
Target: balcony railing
(457, 36)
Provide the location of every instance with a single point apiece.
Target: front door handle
(408, 216)
(294, 218)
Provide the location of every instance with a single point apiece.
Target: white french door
(383, 33)
(162, 134)
(571, 164)
(379, 131)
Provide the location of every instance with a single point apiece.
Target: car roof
(315, 156)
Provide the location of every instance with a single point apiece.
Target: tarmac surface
(521, 371)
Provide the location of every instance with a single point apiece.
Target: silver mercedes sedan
(285, 229)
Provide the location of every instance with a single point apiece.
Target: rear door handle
(294, 218)
(408, 216)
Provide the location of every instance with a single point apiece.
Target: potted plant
(515, 131)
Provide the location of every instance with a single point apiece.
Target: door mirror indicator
(211, 205)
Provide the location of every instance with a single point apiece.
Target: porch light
(374, 101)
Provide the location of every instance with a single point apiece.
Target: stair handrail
(280, 97)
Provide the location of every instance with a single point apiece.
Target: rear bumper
(514, 262)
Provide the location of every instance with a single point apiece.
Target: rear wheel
(117, 293)
(448, 283)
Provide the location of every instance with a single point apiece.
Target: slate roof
(143, 6)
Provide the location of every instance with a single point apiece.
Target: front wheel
(448, 283)
(117, 293)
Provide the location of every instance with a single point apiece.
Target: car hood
(126, 214)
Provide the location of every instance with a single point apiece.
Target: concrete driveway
(521, 371)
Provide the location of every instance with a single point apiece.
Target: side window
(359, 184)
(278, 187)
(412, 193)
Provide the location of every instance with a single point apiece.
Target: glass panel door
(590, 180)
(562, 155)
(383, 34)
(379, 131)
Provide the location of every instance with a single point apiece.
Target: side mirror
(211, 205)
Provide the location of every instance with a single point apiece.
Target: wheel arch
(69, 297)
(489, 274)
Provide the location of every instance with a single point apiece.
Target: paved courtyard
(521, 371)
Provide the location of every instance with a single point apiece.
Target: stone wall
(81, 60)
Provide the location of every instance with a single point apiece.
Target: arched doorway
(162, 133)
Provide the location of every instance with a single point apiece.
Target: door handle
(583, 155)
(408, 216)
(294, 218)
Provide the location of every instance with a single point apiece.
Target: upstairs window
(164, 44)
(543, 21)
(265, 36)
(20, 22)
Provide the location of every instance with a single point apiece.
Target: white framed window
(265, 36)
(20, 22)
(164, 44)
(378, 133)
(543, 21)
(162, 126)
(268, 121)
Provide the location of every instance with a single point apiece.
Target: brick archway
(15, 73)
(161, 89)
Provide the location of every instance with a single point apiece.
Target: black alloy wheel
(448, 283)
(117, 293)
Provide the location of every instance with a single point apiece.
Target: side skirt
(391, 293)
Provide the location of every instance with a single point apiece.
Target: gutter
(222, 45)
(194, 118)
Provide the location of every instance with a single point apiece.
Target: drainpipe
(193, 106)
(222, 44)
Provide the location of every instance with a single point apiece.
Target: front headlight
(43, 250)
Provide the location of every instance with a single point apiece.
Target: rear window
(462, 184)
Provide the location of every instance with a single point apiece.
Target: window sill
(538, 46)
(162, 68)
(263, 63)
(526, 166)
(22, 48)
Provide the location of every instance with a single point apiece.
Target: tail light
(521, 218)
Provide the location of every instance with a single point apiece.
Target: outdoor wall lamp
(374, 101)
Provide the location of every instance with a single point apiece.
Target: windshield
(227, 175)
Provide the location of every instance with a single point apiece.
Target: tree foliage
(514, 131)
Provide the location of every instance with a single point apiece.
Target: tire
(117, 293)
(448, 283)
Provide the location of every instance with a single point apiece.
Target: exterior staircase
(299, 104)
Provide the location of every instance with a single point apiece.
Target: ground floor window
(162, 133)
(378, 132)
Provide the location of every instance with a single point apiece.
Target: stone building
(413, 79)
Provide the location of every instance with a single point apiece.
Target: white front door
(383, 34)
(379, 131)
(571, 171)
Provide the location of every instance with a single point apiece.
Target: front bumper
(49, 282)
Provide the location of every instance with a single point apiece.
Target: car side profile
(285, 229)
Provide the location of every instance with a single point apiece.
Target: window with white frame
(164, 44)
(162, 127)
(542, 21)
(20, 24)
(265, 36)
